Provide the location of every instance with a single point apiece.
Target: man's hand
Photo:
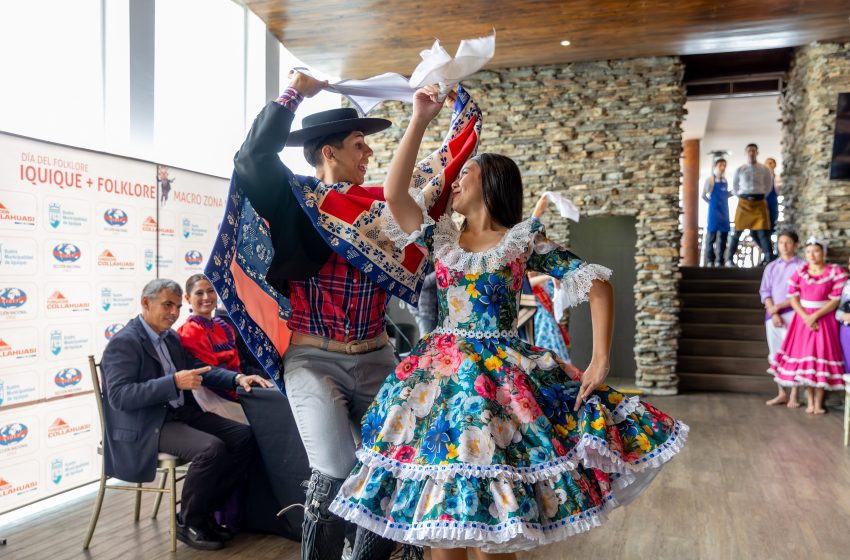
(777, 320)
(245, 381)
(425, 104)
(308, 86)
(189, 379)
(771, 309)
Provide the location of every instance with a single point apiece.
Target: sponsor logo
(11, 434)
(7, 351)
(149, 224)
(66, 252)
(115, 217)
(55, 342)
(8, 216)
(68, 377)
(2, 392)
(112, 330)
(56, 470)
(54, 214)
(187, 227)
(58, 301)
(7, 488)
(12, 298)
(107, 259)
(148, 259)
(105, 298)
(61, 428)
(194, 258)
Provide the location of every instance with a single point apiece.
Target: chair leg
(138, 508)
(173, 476)
(95, 514)
(846, 419)
(162, 480)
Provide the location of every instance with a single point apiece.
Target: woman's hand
(811, 322)
(593, 377)
(426, 104)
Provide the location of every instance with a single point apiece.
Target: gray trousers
(329, 392)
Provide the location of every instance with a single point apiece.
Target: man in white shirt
(752, 182)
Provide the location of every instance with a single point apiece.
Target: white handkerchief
(437, 67)
(564, 205)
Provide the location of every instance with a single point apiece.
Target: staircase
(722, 345)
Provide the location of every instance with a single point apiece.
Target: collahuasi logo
(148, 259)
(58, 301)
(66, 252)
(61, 428)
(107, 259)
(68, 377)
(56, 468)
(54, 214)
(6, 215)
(7, 488)
(115, 217)
(194, 257)
(7, 351)
(112, 330)
(11, 434)
(12, 298)
(149, 224)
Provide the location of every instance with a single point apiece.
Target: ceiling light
(565, 43)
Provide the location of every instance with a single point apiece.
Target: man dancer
(751, 185)
(777, 305)
(338, 355)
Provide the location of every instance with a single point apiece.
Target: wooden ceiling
(360, 38)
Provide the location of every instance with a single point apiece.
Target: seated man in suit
(148, 379)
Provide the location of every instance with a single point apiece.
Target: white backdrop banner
(81, 232)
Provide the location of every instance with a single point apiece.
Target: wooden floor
(753, 483)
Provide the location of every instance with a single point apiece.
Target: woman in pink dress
(811, 354)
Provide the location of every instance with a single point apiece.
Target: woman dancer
(811, 354)
(479, 439)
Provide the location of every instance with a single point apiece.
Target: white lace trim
(393, 231)
(514, 243)
(803, 382)
(575, 286)
(831, 274)
(589, 452)
(476, 333)
(513, 535)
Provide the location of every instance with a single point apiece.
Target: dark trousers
(762, 237)
(220, 451)
(719, 238)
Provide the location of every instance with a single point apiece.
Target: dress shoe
(223, 532)
(199, 538)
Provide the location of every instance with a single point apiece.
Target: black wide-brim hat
(325, 123)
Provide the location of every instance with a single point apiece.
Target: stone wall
(608, 134)
(814, 204)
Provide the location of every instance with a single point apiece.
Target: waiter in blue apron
(716, 193)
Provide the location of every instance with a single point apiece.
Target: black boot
(369, 546)
(323, 533)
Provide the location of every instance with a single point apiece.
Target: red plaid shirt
(339, 302)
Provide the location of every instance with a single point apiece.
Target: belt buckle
(354, 346)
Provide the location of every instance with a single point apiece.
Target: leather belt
(752, 197)
(353, 347)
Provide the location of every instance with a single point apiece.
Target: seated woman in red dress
(213, 341)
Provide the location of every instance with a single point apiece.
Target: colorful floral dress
(473, 440)
(812, 358)
(548, 333)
